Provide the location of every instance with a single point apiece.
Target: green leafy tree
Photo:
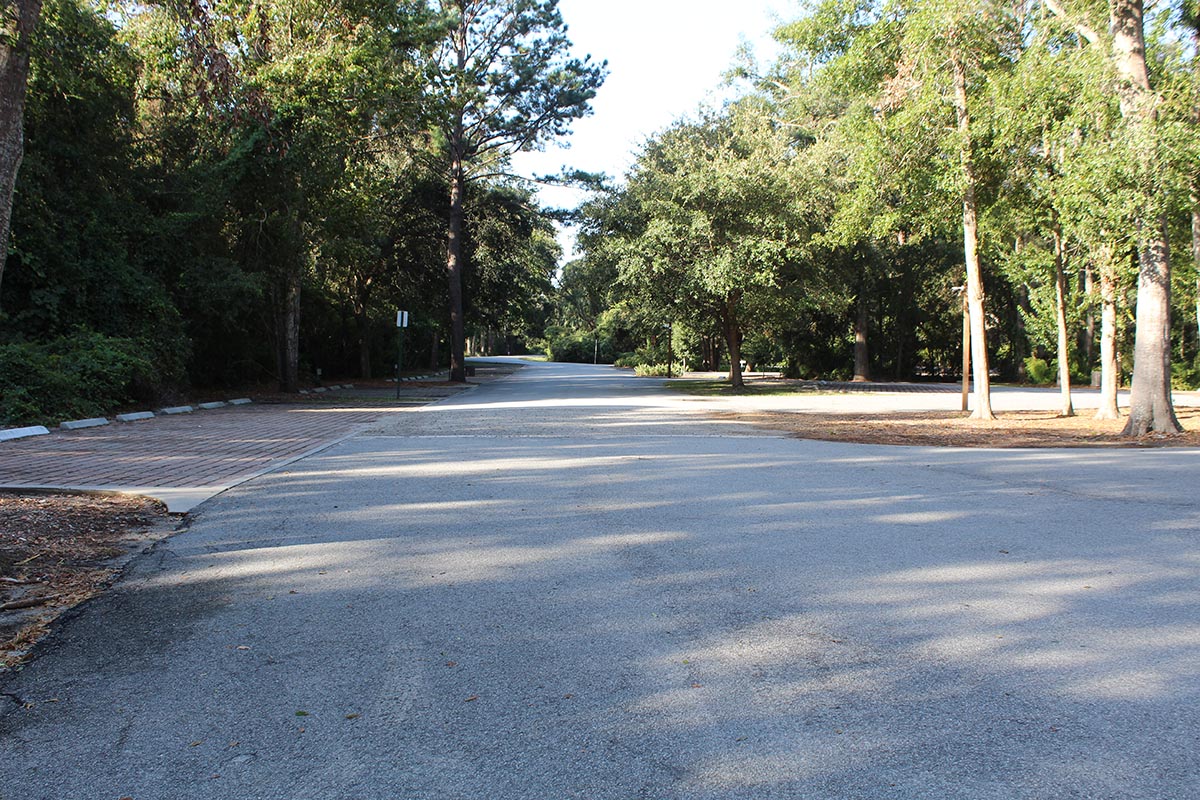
(585, 294)
(294, 91)
(713, 214)
(500, 82)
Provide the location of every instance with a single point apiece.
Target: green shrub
(578, 347)
(652, 370)
(1039, 371)
(82, 375)
(761, 352)
(627, 360)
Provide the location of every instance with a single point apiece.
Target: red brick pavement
(205, 450)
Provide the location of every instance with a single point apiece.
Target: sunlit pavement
(568, 584)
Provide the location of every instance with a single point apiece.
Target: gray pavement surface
(569, 584)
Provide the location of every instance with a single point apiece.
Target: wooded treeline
(234, 192)
(1034, 161)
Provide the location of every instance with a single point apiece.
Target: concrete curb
(78, 424)
(431, 376)
(176, 410)
(21, 433)
(8, 434)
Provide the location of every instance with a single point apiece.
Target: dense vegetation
(823, 221)
(233, 192)
(236, 193)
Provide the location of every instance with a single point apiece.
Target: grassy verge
(722, 388)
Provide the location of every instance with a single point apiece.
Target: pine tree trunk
(16, 27)
(434, 343)
(975, 299)
(454, 240)
(862, 365)
(1150, 406)
(1060, 307)
(454, 256)
(1109, 373)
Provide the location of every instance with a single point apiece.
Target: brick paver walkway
(183, 459)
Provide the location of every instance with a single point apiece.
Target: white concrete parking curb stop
(8, 434)
(78, 424)
(21, 433)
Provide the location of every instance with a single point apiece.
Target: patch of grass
(723, 389)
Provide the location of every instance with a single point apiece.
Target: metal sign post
(401, 324)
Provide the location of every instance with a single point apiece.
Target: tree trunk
(364, 342)
(1060, 307)
(434, 343)
(1196, 249)
(289, 377)
(979, 356)
(733, 340)
(966, 355)
(454, 256)
(454, 239)
(362, 323)
(1150, 406)
(1109, 378)
(19, 19)
(1089, 337)
(862, 365)
(898, 319)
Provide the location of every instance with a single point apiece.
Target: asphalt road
(569, 585)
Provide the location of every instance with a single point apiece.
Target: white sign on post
(401, 319)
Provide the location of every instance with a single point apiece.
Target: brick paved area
(184, 459)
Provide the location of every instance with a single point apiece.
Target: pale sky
(665, 58)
